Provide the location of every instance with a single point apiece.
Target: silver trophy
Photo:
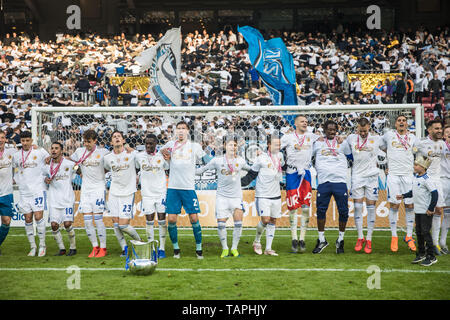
(142, 257)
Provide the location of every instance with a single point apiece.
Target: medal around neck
(142, 257)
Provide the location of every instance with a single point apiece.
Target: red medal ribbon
(83, 157)
(23, 161)
(1, 154)
(302, 141)
(359, 147)
(278, 165)
(403, 142)
(332, 147)
(53, 172)
(228, 164)
(175, 147)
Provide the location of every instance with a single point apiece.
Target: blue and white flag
(274, 64)
(164, 64)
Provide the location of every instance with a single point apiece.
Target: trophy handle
(154, 250)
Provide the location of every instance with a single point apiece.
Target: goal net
(209, 127)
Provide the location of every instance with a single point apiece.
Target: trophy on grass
(142, 258)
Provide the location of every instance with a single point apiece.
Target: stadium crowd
(76, 71)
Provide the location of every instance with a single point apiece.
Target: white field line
(237, 269)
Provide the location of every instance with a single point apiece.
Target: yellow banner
(141, 83)
(370, 80)
(251, 218)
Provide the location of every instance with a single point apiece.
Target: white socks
(40, 228)
(222, 231)
(150, 230)
(71, 233)
(162, 234)
(321, 236)
(119, 236)
(101, 229)
(444, 227)
(341, 236)
(435, 228)
(90, 230)
(58, 238)
(130, 231)
(409, 216)
(270, 234)
(30, 234)
(359, 219)
(237, 231)
(370, 221)
(293, 220)
(393, 217)
(259, 231)
(304, 220)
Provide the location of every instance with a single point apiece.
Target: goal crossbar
(417, 108)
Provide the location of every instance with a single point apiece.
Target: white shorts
(441, 196)
(268, 207)
(92, 202)
(445, 183)
(365, 187)
(150, 205)
(225, 206)
(60, 215)
(121, 207)
(398, 185)
(34, 203)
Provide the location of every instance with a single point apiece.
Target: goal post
(210, 125)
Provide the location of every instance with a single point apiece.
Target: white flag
(164, 64)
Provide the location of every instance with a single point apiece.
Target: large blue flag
(274, 64)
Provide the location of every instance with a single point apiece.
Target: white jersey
(434, 150)
(152, 174)
(228, 180)
(182, 164)
(6, 171)
(331, 161)
(269, 175)
(399, 155)
(445, 162)
(92, 169)
(123, 173)
(365, 155)
(30, 175)
(298, 150)
(421, 189)
(60, 190)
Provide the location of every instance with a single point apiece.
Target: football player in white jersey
(298, 178)
(364, 181)
(229, 193)
(93, 191)
(331, 166)
(61, 197)
(425, 194)
(123, 186)
(399, 146)
(267, 169)
(6, 186)
(445, 183)
(433, 148)
(182, 155)
(153, 190)
(29, 164)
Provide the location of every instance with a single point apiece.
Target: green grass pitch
(248, 277)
